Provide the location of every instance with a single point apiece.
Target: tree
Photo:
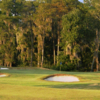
(7, 35)
(60, 10)
(77, 27)
(94, 9)
(43, 26)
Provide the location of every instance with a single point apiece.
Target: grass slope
(27, 84)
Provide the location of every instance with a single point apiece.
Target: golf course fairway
(28, 84)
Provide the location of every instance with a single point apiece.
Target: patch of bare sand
(62, 78)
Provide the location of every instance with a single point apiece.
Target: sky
(80, 0)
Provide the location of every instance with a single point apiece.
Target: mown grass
(27, 84)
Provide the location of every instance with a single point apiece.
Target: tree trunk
(92, 64)
(97, 49)
(39, 50)
(58, 42)
(54, 61)
(53, 32)
(31, 44)
(58, 50)
(10, 64)
(95, 58)
(42, 51)
(38, 53)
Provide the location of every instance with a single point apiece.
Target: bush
(66, 67)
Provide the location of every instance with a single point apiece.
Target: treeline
(57, 34)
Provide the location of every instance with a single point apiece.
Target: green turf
(27, 84)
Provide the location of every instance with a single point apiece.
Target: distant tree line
(57, 34)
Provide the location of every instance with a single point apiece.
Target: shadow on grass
(92, 86)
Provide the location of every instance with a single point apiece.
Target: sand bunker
(62, 78)
(4, 68)
(3, 75)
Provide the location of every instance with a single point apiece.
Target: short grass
(27, 84)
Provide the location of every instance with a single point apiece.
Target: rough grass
(27, 84)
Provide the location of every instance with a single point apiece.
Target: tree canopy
(50, 33)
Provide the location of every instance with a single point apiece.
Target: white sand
(4, 68)
(63, 78)
(3, 75)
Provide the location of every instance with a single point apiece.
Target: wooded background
(56, 34)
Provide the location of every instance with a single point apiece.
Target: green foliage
(30, 33)
(79, 32)
(64, 64)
